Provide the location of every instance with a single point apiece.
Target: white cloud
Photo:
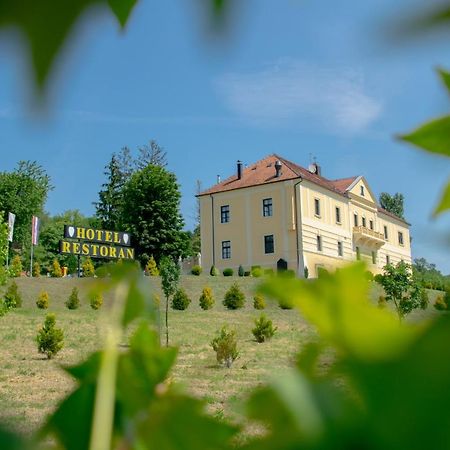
(291, 91)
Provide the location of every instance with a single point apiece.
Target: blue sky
(290, 77)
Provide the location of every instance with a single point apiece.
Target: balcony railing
(368, 236)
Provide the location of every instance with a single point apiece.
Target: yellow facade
(301, 215)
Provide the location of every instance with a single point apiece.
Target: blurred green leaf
(46, 24)
(122, 9)
(337, 304)
(11, 441)
(433, 136)
(445, 76)
(444, 202)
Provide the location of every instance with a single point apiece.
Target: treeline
(139, 196)
(429, 276)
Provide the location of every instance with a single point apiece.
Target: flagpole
(7, 255)
(31, 259)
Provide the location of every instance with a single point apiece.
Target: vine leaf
(122, 9)
(445, 77)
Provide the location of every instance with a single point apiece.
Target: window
(371, 224)
(319, 243)
(225, 214)
(364, 222)
(374, 257)
(268, 244)
(388, 259)
(340, 249)
(267, 207)
(385, 232)
(317, 207)
(400, 238)
(362, 190)
(358, 254)
(355, 219)
(226, 249)
(338, 214)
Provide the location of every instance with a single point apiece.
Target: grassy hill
(31, 386)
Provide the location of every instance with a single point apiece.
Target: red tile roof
(263, 172)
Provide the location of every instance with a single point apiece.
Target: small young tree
(258, 302)
(214, 272)
(13, 299)
(225, 346)
(73, 302)
(88, 268)
(241, 270)
(170, 275)
(264, 329)
(16, 267)
(151, 268)
(42, 300)
(401, 288)
(180, 300)
(234, 298)
(50, 339)
(36, 270)
(206, 300)
(96, 301)
(56, 269)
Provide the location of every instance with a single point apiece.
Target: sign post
(34, 239)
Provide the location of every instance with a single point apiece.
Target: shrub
(289, 273)
(3, 308)
(36, 270)
(88, 268)
(241, 271)
(256, 271)
(180, 300)
(269, 272)
(96, 301)
(424, 300)
(73, 302)
(264, 329)
(247, 273)
(50, 339)
(213, 271)
(382, 303)
(56, 269)
(15, 269)
(258, 302)
(43, 300)
(225, 346)
(378, 278)
(196, 270)
(13, 299)
(3, 276)
(151, 268)
(206, 300)
(228, 272)
(285, 303)
(369, 275)
(306, 272)
(442, 302)
(234, 298)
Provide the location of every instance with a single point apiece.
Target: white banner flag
(34, 230)
(11, 220)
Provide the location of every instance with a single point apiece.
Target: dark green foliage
(228, 272)
(428, 276)
(378, 278)
(256, 271)
(157, 225)
(180, 300)
(247, 273)
(225, 346)
(442, 302)
(234, 298)
(392, 203)
(306, 272)
(3, 276)
(13, 299)
(259, 302)
(50, 339)
(196, 270)
(241, 271)
(264, 329)
(73, 302)
(206, 300)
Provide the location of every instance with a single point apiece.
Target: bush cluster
(73, 302)
(234, 298)
(196, 270)
(206, 300)
(264, 329)
(180, 300)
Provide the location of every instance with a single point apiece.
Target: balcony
(366, 237)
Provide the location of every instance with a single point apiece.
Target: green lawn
(31, 386)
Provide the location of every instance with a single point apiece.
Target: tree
(428, 275)
(170, 275)
(402, 289)
(151, 154)
(152, 214)
(24, 192)
(393, 203)
(50, 339)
